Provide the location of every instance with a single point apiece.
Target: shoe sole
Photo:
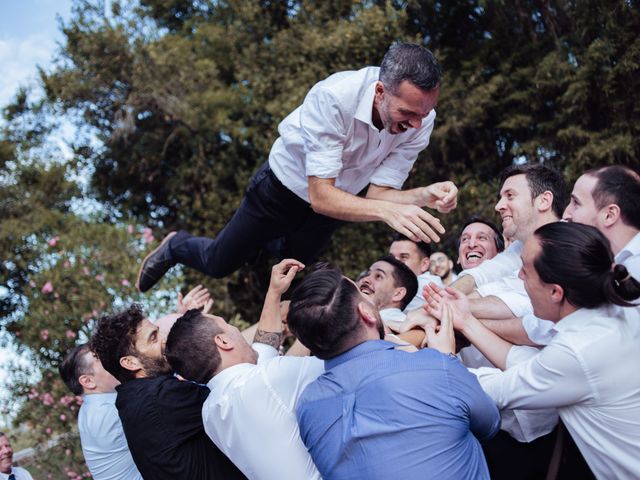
(144, 262)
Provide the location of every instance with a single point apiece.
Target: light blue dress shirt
(103, 442)
(380, 413)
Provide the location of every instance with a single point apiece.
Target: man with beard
(161, 415)
(442, 266)
(407, 415)
(355, 130)
(390, 285)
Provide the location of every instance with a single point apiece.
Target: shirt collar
(631, 248)
(357, 351)
(226, 375)
(4, 476)
(582, 315)
(95, 397)
(365, 107)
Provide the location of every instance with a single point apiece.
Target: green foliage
(177, 102)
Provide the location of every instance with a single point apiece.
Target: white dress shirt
(589, 372)
(502, 265)
(629, 256)
(424, 279)
(331, 135)
(103, 442)
(250, 415)
(510, 290)
(19, 473)
(392, 315)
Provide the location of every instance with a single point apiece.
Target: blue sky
(28, 35)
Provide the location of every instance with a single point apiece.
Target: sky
(28, 35)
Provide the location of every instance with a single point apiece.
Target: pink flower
(47, 399)
(52, 242)
(63, 418)
(47, 288)
(70, 334)
(44, 334)
(66, 264)
(130, 229)
(85, 270)
(67, 452)
(125, 282)
(32, 284)
(147, 235)
(99, 277)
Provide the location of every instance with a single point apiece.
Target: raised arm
(269, 330)
(491, 345)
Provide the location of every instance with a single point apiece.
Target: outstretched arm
(269, 330)
(401, 210)
(491, 345)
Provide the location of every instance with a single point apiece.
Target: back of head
(115, 337)
(540, 178)
(411, 62)
(75, 364)
(191, 349)
(424, 248)
(403, 277)
(497, 232)
(619, 185)
(323, 312)
(578, 258)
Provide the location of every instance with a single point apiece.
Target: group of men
(196, 400)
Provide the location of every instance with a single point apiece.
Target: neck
(565, 310)
(619, 236)
(543, 219)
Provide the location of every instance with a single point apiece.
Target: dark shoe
(155, 265)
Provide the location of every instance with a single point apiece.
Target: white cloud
(19, 59)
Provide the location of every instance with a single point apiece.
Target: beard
(155, 367)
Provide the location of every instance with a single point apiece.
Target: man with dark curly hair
(161, 415)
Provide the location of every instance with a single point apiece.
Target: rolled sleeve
(323, 133)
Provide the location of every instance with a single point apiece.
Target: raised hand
(282, 274)
(443, 196)
(197, 297)
(437, 298)
(443, 339)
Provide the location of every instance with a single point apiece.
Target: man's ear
(424, 265)
(544, 201)
(399, 294)
(611, 214)
(130, 362)
(87, 382)
(366, 312)
(557, 293)
(223, 342)
(379, 92)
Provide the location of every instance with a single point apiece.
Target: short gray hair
(408, 61)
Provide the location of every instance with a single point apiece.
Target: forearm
(269, 327)
(490, 307)
(495, 348)
(465, 284)
(509, 329)
(414, 196)
(329, 200)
